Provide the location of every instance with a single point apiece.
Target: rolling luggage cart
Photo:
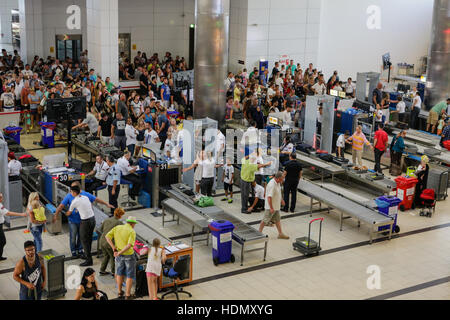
(306, 245)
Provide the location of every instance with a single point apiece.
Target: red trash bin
(406, 188)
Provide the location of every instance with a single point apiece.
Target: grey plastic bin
(55, 284)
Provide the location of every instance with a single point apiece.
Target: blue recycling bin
(388, 206)
(13, 132)
(48, 134)
(221, 231)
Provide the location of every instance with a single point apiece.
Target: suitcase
(303, 147)
(438, 180)
(395, 170)
(326, 157)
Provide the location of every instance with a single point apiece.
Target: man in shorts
(273, 204)
(124, 237)
(435, 113)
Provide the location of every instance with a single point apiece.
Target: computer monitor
(342, 94)
(273, 121)
(54, 161)
(59, 109)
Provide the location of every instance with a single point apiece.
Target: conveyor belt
(320, 164)
(189, 203)
(181, 205)
(341, 203)
(384, 185)
(146, 234)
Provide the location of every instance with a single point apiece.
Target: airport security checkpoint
(179, 174)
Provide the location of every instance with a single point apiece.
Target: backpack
(205, 202)
(394, 140)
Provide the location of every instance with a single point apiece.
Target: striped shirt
(358, 141)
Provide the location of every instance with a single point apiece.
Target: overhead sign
(74, 20)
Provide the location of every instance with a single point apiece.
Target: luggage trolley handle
(320, 231)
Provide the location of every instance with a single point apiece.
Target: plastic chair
(179, 271)
(98, 189)
(128, 203)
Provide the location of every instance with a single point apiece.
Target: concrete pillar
(5, 20)
(103, 38)
(211, 58)
(438, 75)
(31, 32)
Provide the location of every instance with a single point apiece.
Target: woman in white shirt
(136, 108)
(416, 106)
(131, 134)
(208, 164)
(156, 257)
(401, 108)
(14, 167)
(5, 212)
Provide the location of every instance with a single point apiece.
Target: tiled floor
(418, 255)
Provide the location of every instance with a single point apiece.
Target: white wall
(54, 18)
(238, 34)
(157, 25)
(347, 45)
(5, 20)
(277, 27)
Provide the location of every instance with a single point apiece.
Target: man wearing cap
(14, 167)
(248, 170)
(124, 238)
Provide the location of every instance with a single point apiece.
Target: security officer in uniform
(101, 171)
(113, 182)
(14, 167)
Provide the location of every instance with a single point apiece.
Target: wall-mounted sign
(74, 20)
(133, 47)
(52, 49)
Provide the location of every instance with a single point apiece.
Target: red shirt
(382, 138)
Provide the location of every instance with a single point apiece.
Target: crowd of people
(130, 120)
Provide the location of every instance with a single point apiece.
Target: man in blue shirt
(92, 76)
(74, 220)
(165, 94)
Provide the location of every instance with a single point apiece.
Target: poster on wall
(284, 59)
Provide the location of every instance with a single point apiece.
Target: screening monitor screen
(273, 121)
(147, 153)
(342, 94)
